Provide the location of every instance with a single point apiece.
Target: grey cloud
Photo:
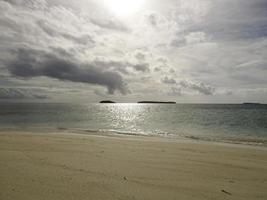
(122, 70)
(32, 63)
(83, 39)
(22, 2)
(30, 4)
(114, 65)
(112, 24)
(229, 39)
(48, 29)
(143, 67)
(40, 96)
(231, 20)
(168, 80)
(121, 66)
(155, 19)
(189, 39)
(229, 93)
(219, 21)
(55, 32)
(162, 60)
(157, 69)
(11, 1)
(140, 56)
(172, 71)
(200, 87)
(100, 93)
(249, 78)
(10, 93)
(152, 19)
(109, 63)
(175, 91)
(20, 93)
(62, 52)
(178, 41)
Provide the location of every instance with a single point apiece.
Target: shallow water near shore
(212, 122)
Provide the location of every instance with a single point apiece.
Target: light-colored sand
(63, 167)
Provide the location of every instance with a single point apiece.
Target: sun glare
(124, 7)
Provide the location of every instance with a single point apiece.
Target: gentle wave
(231, 123)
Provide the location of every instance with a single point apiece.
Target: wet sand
(58, 166)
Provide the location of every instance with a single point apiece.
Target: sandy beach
(58, 166)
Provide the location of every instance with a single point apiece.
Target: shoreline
(250, 142)
(59, 165)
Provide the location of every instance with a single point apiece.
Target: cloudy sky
(193, 51)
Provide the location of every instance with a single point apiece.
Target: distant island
(140, 102)
(158, 102)
(107, 101)
(250, 103)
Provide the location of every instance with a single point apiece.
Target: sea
(232, 123)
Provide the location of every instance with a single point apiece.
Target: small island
(107, 101)
(158, 102)
(251, 103)
(143, 102)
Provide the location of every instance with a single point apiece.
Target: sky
(193, 51)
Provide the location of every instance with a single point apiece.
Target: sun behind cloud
(124, 7)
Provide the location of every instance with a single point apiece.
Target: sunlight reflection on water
(210, 121)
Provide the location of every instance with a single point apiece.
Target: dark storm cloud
(32, 63)
(200, 87)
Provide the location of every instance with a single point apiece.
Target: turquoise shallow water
(214, 122)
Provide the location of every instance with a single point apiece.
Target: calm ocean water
(214, 122)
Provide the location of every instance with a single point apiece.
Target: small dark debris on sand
(224, 191)
(125, 178)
